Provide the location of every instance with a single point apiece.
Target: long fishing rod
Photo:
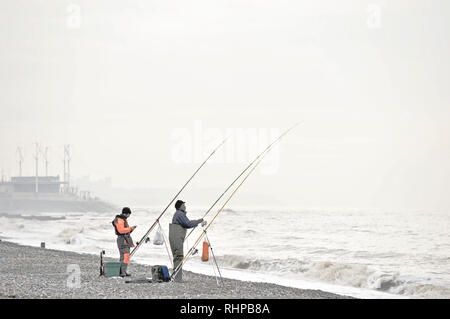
(242, 173)
(168, 205)
(189, 253)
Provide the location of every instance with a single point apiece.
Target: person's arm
(186, 223)
(120, 225)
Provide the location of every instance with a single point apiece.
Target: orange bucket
(205, 253)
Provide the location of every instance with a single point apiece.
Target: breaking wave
(72, 236)
(359, 276)
(33, 217)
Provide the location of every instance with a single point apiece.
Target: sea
(364, 253)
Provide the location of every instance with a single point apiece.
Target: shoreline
(28, 272)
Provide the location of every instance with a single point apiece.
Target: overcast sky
(119, 81)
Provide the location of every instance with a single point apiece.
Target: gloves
(204, 223)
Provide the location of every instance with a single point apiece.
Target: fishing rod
(193, 248)
(242, 173)
(265, 152)
(182, 188)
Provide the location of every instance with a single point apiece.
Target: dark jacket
(180, 218)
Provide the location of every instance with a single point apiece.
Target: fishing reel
(195, 251)
(146, 240)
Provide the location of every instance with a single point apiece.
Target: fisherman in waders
(124, 241)
(177, 233)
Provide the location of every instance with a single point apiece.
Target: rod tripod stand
(212, 261)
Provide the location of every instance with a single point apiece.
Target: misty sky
(369, 80)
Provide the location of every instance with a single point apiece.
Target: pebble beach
(35, 273)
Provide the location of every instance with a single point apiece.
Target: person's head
(180, 205)
(126, 212)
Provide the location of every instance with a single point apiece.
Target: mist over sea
(365, 253)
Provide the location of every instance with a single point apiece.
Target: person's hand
(133, 228)
(203, 223)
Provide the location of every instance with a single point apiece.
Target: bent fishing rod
(242, 173)
(192, 249)
(168, 205)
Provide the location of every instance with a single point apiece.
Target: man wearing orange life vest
(124, 240)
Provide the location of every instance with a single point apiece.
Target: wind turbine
(45, 155)
(20, 156)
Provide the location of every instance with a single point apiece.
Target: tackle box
(111, 269)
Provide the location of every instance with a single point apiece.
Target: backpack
(160, 273)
